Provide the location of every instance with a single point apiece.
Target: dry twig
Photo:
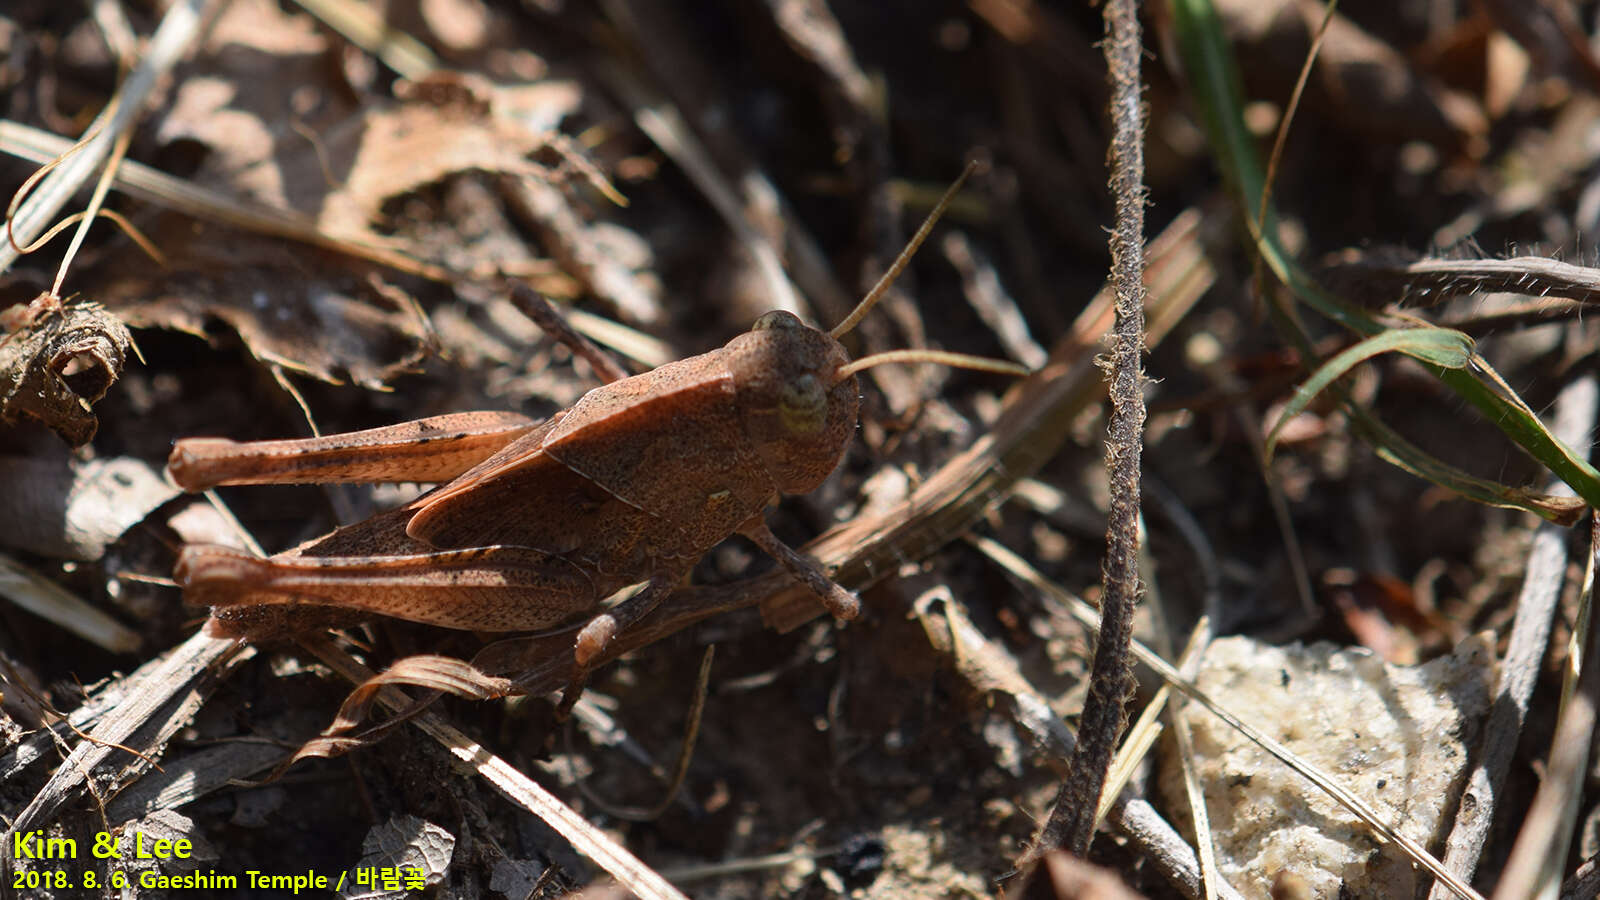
(1072, 818)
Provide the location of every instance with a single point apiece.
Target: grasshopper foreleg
(599, 632)
(839, 601)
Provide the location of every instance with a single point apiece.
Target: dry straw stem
(1189, 666)
(1205, 559)
(1538, 857)
(362, 25)
(159, 699)
(1142, 736)
(726, 172)
(733, 181)
(153, 186)
(1072, 818)
(511, 783)
(664, 125)
(43, 597)
(990, 668)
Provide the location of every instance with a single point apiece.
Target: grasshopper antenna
(882, 287)
(940, 357)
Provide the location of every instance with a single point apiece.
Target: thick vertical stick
(1072, 820)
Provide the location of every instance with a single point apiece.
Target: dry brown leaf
(413, 846)
(277, 132)
(446, 123)
(301, 309)
(56, 366)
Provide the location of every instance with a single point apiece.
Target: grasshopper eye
(803, 404)
(776, 319)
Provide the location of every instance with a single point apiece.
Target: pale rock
(1397, 737)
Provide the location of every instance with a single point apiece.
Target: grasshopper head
(798, 413)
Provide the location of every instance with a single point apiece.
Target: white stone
(1397, 737)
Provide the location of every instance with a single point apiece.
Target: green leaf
(1441, 347)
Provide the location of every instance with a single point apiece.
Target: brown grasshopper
(536, 523)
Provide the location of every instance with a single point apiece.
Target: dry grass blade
(665, 125)
(1143, 733)
(1200, 816)
(1537, 606)
(1137, 742)
(1178, 515)
(1538, 857)
(166, 695)
(709, 871)
(43, 597)
(746, 196)
(988, 667)
(164, 190)
(1379, 280)
(1090, 617)
(179, 28)
(989, 300)
(512, 784)
(363, 26)
(566, 233)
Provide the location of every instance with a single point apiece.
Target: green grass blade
(1213, 82)
(1440, 347)
(1399, 452)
